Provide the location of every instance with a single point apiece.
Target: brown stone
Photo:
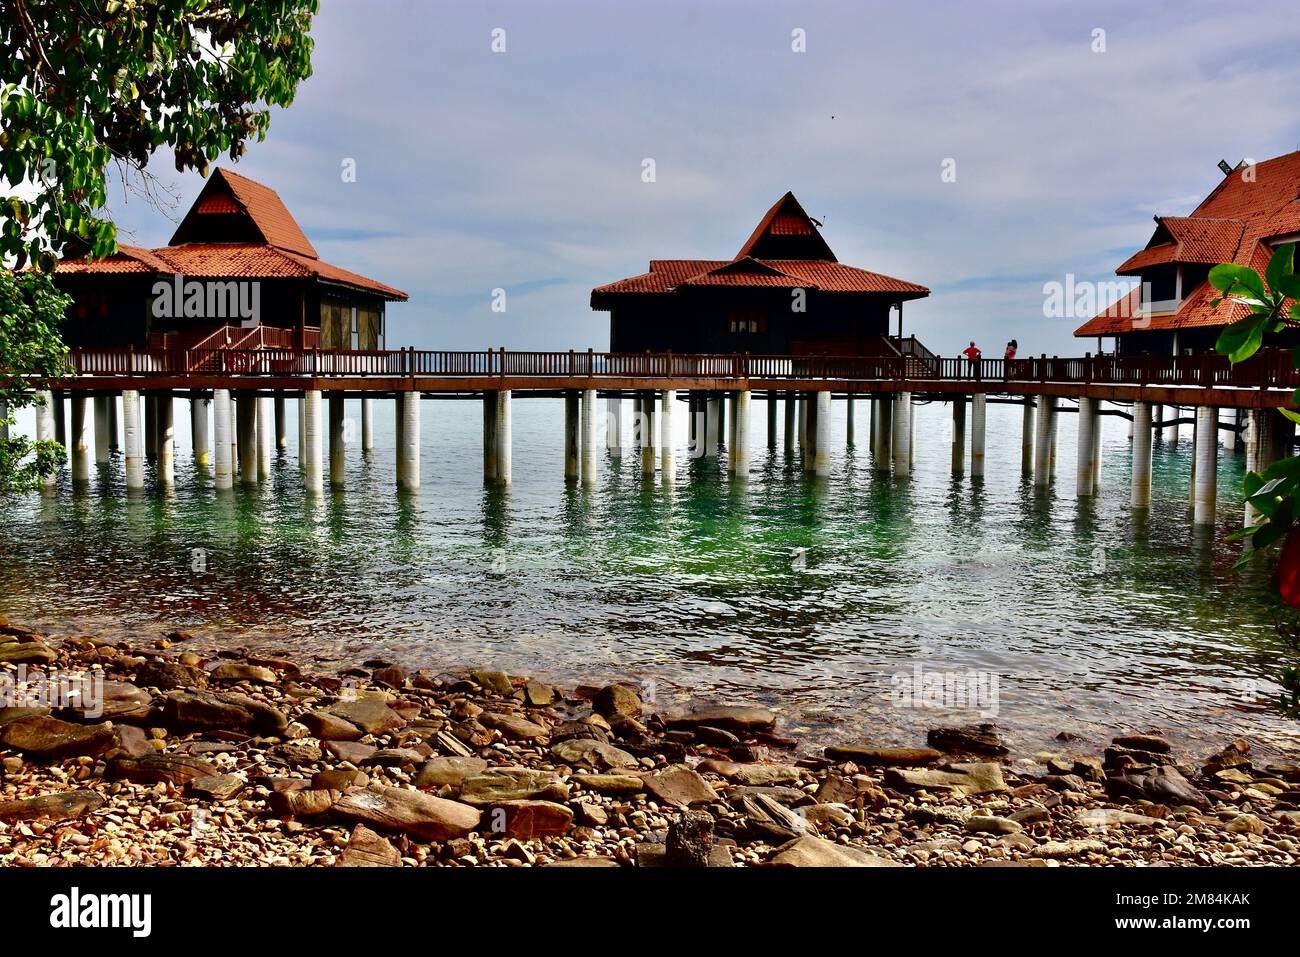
(370, 714)
(154, 768)
(411, 812)
(368, 849)
(730, 717)
(680, 786)
(44, 737)
(883, 757)
(51, 807)
(529, 819)
(617, 699)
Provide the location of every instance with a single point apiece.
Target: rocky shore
(228, 759)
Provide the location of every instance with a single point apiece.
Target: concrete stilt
(614, 426)
(1140, 494)
(367, 424)
(266, 435)
(740, 436)
(56, 413)
(1043, 441)
(150, 427)
(667, 459)
(712, 425)
(313, 446)
(166, 440)
(849, 406)
(771, 420)
(1097, 436)
(978, 425)
(1171, 430)
(958, 434)
(903, 433)
(408, 410)
(199, 430)
(883, 452)
(489, 436)
(45, 426)
(791, 428)
(223, 471)
(502, 436)
(809, 403)
(281, 426)
(822, 437)
(1086, 469)
(1260, 450)
(302, 432)
(1027, 436)
(803, 422)
(338, 460)
(133, 457)
(79, 440)
(572, 442)
(114, 429)
(1206, 453)
(589, 437)
(648, 458)
(101, 429)
(1053, 422)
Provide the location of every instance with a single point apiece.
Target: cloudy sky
(523, 169)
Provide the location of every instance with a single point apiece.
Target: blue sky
(522, 170)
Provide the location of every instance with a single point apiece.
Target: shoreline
(221, 758)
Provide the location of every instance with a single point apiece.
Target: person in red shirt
(972, 354)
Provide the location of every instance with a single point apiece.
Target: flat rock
(1143, 742)
(353, 752)
(304, 802)
(27, 653)
(1163, 785)
(980, 739)
(730, 717)
(1113, 817)
(979, 778)
(809, 850)
(46, 737)
(617, 699)
(495, 682)
(529, 819)
(448, 771)
(155, 768)
(207, 710)
(752, 775)
(64, 806)
(589, 753)
(108, 701)
(216, 787)
(409, 812)
(611, 783)
(242, 671)
(883, 757)
(368, 849)
(680, 786)
(513, 726)
(9, 715)
(331, 727)
(370, 714)
(990, 824)
(167, 675)
(584, 862)
(499, 785)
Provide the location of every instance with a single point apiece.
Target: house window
(747, 322)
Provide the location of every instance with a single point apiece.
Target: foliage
(32, 354)
(1270, 299)
(83, 84)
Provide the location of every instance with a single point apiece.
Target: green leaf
(1228, 276)
(1280, 265)
(1241, 340)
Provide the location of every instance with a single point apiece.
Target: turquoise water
(1091, 620)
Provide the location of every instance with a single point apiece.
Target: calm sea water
(821, 597)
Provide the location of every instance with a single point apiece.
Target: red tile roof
(285, 252)
(1242, 220)
(785, 228)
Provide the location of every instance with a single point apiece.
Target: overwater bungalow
(238, 272)
(783, 293)
(1251, 211)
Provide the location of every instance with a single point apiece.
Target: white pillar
(281, 427)
(45, 425)
(572, 439)
(1027, 436)
(114, 431)
(101, 429)
(338, 450)
(589, 437)
(1206, 454)
(791, 430)
(667, 457)
(367, 424)
(150, 427)
(1140, 495)
(132, 440)
(1043, 439)
(771, 419)
(302, 432)
(822, 438)
(223, 471)
(313, 442)
(958, 434)
(1097, 435)
(978, 420)
(848, 414)
(739, 456)
(1171, 431)
(80, 438)
(265, 435)
(647, 434)
(199, 430)
(902, 433)
(712, 425)
(408, 404)
(1085, 465)
(883, 450)
(614, 425)
(803, 422)
(166, 439)
(246, 437)
(501, 434)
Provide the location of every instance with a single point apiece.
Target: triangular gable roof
(226, 194)
(786, 232)
(754, 272)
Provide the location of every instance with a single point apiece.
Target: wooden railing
(1268, 369)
